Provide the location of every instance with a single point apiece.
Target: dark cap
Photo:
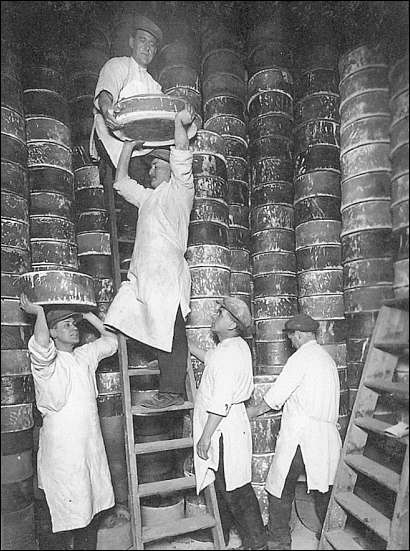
(302, 322)
(145, 24)
(159, 154)
(239, 310)
(54, 316)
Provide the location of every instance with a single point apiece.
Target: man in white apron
(308, 389)
(123, 77)
(221, 428)
(152, 304)
(72, 465)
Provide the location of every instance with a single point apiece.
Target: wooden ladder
(141, 534)
(355, 518)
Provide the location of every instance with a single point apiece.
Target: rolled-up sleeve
(284, 386)
(181, 168)
(104, 347)
(111, 78)
(132, 191)
(52, 378)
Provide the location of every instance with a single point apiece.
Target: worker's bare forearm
(98, 324)
(124, 161)
(260, 409)
(197, 351)
(41, 331)
(181, 136)
(211, 424)
(105, 102)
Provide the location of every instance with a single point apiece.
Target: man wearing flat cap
(221, 428)
(72, 464)
(123, 77)
(152, 304)
(308, 390)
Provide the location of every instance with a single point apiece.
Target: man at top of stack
(124, 77)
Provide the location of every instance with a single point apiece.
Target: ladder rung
(130, 240)
(374, 470)
(166, 486)
(375, 425)
(182, 526)
(163, 445)
(339, 539)
(141, 410)
(365, 513)
(400, 390)
(135, 371)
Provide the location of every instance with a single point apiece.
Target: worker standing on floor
(72, 464)
(221, 428)
(124, 77)
(151, 306)
(308, 389)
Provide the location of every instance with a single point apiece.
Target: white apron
(226, 383)
(308, 388)
(72, 462)
(146, 305)
(113, 145)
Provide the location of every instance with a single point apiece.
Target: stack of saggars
(317, 204)
(176, 66)
(223, 75)
(208, 250)
(399, 157)
(52, 228)
(85, 61)
(270, 109)
(17, 389)
(92, 221)
(366, 219)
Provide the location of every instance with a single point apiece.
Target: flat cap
(302, 322)
(159, 154)
(145, 24)
(239, 310)
(54, 316)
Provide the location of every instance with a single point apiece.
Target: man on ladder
(151, 306)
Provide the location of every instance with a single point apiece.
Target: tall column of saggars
(17, 389)
(224, 88)
(366, 218)
(270, 111)
(52, 223)
(317, 203)
(399, 157)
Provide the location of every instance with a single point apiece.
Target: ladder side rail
(356, 438)
(133, 499)
(399, 529)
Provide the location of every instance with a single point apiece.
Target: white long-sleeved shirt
(226, 384)
(308, 389)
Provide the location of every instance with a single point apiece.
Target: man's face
(143, 47)
(222, 321)
(66, 331)
(293, 336)
(159, 172)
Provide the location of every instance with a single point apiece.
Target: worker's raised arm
(41, 331)
(129, 189)
(182, 120)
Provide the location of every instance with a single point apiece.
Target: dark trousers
(172, 365)
(83, 538)
(280, 508)
(239, 507)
